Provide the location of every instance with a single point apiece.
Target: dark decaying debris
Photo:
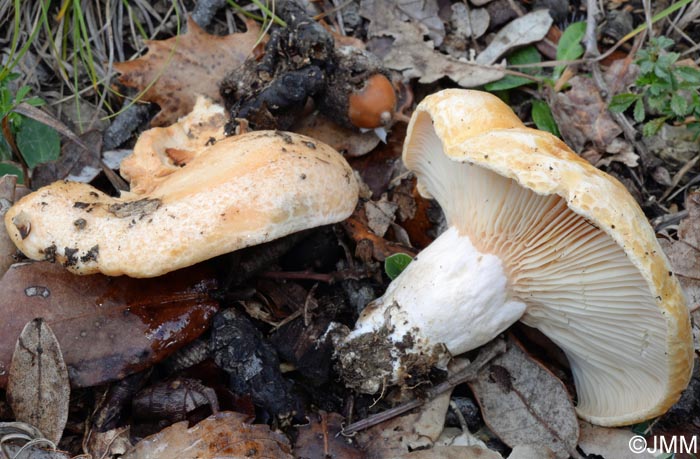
(300, 62)
(110, 410)
(173, 400)
(252, 364)
(306, 343)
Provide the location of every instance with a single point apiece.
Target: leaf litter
(177, 70)
(374, 231)
(38, 388)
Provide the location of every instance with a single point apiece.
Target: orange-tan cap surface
(239, 192)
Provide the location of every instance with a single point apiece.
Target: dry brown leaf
(380, 215)
(415, 58)
(523, 403)
(350, 142)
(684, 254)
(7, 198)
(38, 389)
(107, 445)
(75, 163)
(424, 13)
(34, 451)
(378, 169)
(673, 144)
(108, 327)
(224, 435)
(416, 430)
(582, 116)
(320, 439)
(621, 151)
(186, 66)
(609, 443)
(453, 452)
(521, 31)
(469, 23)
(369, 245)
(531, 452)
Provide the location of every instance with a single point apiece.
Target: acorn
(374, 104)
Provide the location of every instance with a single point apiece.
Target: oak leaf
(175, 71)
(523, 403)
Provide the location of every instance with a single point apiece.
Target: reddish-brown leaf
(369, 245)
(225, 435)
(320, 438)
(186, 66)
(108, 327)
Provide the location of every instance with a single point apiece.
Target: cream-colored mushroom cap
(535, 234)
(241, 191)
(575, 248)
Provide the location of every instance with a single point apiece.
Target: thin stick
(465, 373)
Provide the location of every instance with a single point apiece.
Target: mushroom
(241, 191)
(535, 234)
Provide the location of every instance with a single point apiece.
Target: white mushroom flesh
(511, 252)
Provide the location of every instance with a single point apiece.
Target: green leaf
(569, 46)
(645, 66)
(666, 456)
(395, 264)
(35, 101)
(679, 105)
(639, 112)
(5, 150)
(662, 72)
(37, 142)
(653, 126)
(542, 116)
(21, 94)
(688, 74)
(656, 89)
(661, 42)
(7, 168)
(657, 102)
(527, 55)
(667, 60)
(642, 428)
(621, 102)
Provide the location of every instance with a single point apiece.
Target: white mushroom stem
(461, 302)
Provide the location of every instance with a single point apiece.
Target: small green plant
(667, 92)
(569, 48)
(395, 264)
(35, 142)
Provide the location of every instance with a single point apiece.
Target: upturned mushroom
(535, 234)
(238, 192)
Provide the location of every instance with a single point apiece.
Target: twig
(467, 372)
(664, 221)
(677, 178)
(647, 16)
(328, 278)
